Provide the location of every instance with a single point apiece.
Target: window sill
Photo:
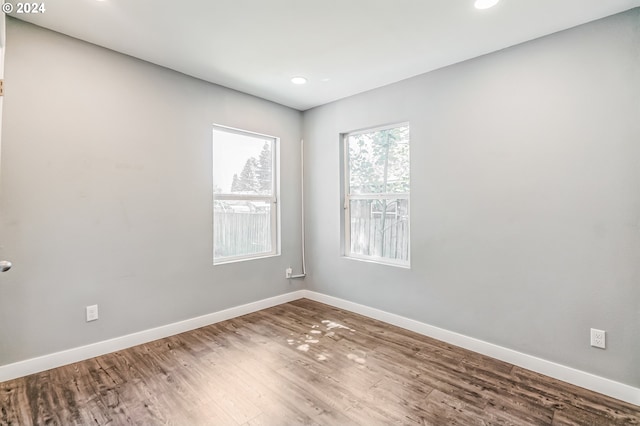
(377, 261)
(244, 259)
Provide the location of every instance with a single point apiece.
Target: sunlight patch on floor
(304, 344)
(332, 324)
(358, 356)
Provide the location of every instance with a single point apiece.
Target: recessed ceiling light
(485, 4)
(298, 80)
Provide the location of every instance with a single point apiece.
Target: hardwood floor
(301, 363)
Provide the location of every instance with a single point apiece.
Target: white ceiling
(342, 47)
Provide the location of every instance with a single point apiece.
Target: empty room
(354, 212)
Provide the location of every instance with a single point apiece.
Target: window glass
(379, 161)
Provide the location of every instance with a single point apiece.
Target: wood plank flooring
(301, 363)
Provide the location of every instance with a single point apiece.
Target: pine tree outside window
(376, 194)
(244, 195)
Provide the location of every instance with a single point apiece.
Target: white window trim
(348, 254)
(273, 199)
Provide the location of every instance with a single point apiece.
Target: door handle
(5, 265)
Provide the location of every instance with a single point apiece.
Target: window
(376, 194)
(244, 195)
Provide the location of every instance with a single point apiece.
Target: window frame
(347, 198)
(272, 199)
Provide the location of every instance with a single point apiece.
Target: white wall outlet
(92, 312)
(598, 338)
(288, 272)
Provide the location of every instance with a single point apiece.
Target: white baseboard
(58, 359)
(557, 371)
(567, 374)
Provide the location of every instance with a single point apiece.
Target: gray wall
(107, 195)
(525, 202)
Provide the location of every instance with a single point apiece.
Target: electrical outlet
(288, 272)
(598, 338)
(92, 312)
